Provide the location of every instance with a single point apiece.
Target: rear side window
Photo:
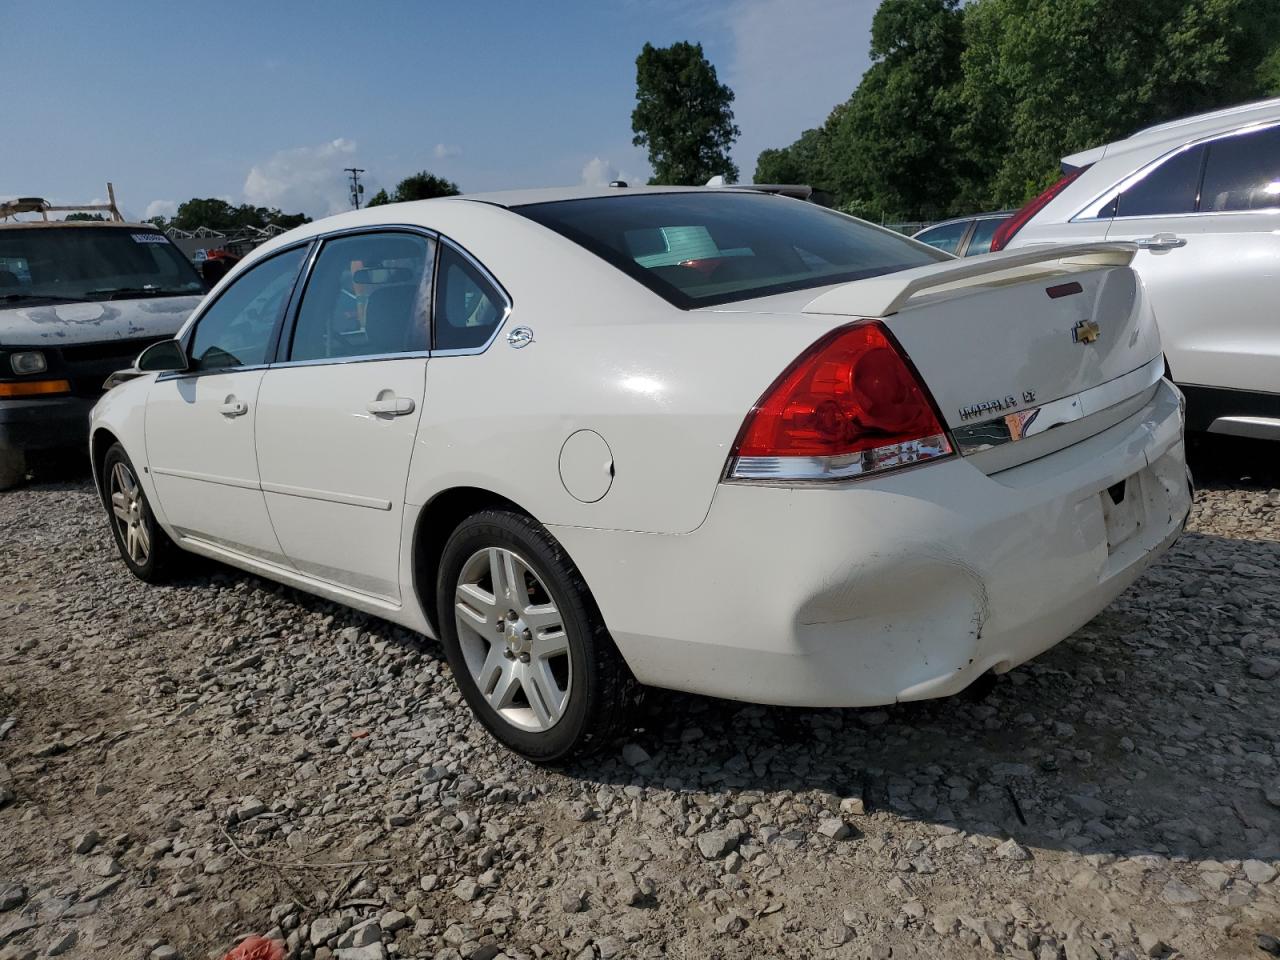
(369, 295)
(703, 248)
(983, 231)
(1168, 189)
(945, 237)
(237, 330)
(469, 307)
(1243, 172)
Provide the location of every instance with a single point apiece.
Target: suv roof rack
(11, 208)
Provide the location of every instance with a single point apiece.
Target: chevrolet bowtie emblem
(1086, 331)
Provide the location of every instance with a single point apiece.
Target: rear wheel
(145, 548)
(527, 645)
(13, 467)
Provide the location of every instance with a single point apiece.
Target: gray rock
(393, 921)
(105, 866)
(62, 944)
(1259, 871)
(323, 929)
(1176, 892)
(635, 755)
(1268, 944)
(1152, 945)
(1012, 850)
(1264, 668)
(165, 952)
(374, 951)
(714, 844)
(834, 828)
(85, 842)
(12, 895)
(467, 890)
(361, 935)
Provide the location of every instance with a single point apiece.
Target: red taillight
(1004, 233)
(849, 405)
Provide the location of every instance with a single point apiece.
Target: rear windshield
(702, 249)
(91, 263)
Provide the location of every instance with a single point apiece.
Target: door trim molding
(308, 493)
(207, 478)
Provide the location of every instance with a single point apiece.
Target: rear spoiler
(881, 296)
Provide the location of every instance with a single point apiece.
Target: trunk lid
(1013, 346)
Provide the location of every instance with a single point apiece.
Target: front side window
(468, 307)
(702, 248)
(1168, 189)
(946, 236)
(236, 331)
(369, 294)
(1243, 172)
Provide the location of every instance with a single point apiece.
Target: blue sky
(266, 102)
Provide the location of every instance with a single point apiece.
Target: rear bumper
(45, 423)
(902, 588)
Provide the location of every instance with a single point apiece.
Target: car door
(338, 413)
(200, 422)
(1210, 258)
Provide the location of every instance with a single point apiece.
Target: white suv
(1201, 198)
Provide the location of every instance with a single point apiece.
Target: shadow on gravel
(1233, 462)
(1142, 733)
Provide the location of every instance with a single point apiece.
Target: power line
(357, 189)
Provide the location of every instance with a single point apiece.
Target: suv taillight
(848, 406)
(1004, 233)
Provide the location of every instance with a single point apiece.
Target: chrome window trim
(1089, 211)
(1012, 427)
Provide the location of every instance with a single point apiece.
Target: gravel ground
(183, 766)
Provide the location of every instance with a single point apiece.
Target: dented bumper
(901, 588)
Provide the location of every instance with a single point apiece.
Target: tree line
(970, 107)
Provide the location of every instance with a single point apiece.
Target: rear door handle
(391, 406)
(231, 407)
(1161, 241)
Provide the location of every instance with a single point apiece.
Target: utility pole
(357, 189)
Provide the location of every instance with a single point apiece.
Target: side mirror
(159, 357)
(162, 356)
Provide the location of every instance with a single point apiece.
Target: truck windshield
(702, 248)
(91, 263)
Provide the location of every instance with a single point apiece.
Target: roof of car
(27, 224)
(1183, 130)
(516, 198)
(971, 216)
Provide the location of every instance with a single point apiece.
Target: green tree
(683, 115)
(84, 216)
(217, 214)
(424, 186)
(1046, 78)
(378, 199)
(802, 162)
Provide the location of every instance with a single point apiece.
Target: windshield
(91, 263)
(700, 249)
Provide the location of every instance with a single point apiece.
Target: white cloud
(793, 61)
(446, 151)
(161, 208)
(598, 172)
(307, 179)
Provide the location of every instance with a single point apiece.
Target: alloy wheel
(513, 639)
(127, 511)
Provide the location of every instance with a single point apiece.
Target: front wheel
(145, 548)
(527, 646)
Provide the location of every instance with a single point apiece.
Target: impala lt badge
(1086, 331)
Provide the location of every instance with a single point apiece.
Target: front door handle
(1161, 241)
(390, 406)
(231, 407)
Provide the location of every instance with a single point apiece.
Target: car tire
(13, 467)
(144, 546)
(547, 694)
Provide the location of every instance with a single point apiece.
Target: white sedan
(709, 439)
